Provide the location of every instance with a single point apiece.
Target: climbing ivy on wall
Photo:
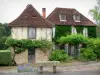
(62, 30)
(92, 31)
(79, 29)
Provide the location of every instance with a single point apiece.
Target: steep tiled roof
(30, 17)
(54, 17)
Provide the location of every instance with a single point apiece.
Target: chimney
(44, 13)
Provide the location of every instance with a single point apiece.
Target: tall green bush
(5, 57)
(87, 54)
(96, 48)
(58, 55)
(94, 44)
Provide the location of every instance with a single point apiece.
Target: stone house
(31, 25)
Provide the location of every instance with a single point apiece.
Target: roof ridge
(64, 8)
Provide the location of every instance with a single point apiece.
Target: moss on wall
(61, 30)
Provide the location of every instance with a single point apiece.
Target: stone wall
(40, 55)
(21, 58)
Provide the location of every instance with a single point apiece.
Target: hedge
(5, 57)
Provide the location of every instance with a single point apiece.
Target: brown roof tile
(54, 17)
(30, 17)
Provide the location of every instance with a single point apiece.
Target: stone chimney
(44, 12)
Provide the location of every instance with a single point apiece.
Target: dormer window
(76, 18)
(62, 17)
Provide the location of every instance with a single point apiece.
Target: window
(76, 18)
(62, 17)
(85, 32)
(31, 33)
(74, 30)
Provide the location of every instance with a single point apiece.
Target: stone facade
(20, 58)
(40, 55)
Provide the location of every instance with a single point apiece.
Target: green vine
(24, 44)
(79, 29)
(63, 30)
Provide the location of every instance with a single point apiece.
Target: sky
(11, 9)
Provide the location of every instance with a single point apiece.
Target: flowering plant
(27, 68)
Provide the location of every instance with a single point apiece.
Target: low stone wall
(21, 58)
(40, 55)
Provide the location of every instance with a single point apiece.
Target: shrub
(96, 48)
(58, 55)
(87, 54)
(94, 44)
(5, 57)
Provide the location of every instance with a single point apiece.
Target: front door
(31, 55)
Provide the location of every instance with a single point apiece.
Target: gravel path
(75, 66)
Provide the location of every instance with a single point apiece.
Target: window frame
(60, 17)
(32, 34)
(76, 18)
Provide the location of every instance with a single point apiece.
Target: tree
(4, 30)
(4, 33)
(95, 13)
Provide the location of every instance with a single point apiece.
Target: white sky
(11, 9)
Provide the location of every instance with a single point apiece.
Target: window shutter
(74, 30)
(85, 32)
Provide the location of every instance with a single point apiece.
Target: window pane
(31, 33)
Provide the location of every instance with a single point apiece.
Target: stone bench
(42, 64)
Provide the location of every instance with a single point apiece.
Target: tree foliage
(95, 13)
(4, 30)
(74, 39)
